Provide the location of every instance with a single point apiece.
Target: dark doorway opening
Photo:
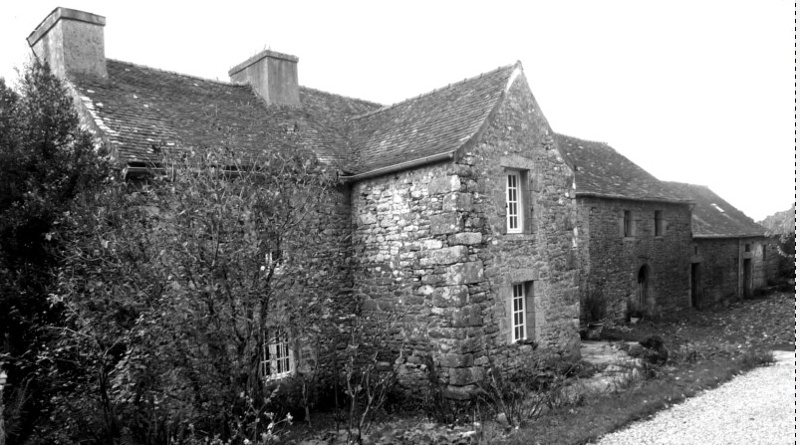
(643, 283)
(695, 285)
(748, 278)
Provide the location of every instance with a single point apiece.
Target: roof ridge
(190, 76)
(685, 183)
(586, 140)
(340, 95)
(450, 85)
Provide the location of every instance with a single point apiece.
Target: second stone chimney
(272, 75)
(71, 42)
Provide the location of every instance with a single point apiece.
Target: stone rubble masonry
(720, 262)
(611, 262)
(430, 242)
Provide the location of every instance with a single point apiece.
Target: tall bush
(172, 285)
(46, 160)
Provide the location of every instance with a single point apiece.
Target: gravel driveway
(755, 408)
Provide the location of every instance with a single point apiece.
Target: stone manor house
(497, 232)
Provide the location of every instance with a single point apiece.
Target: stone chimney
(71, 42)
(272, 75)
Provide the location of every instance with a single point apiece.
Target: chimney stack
(272, 75)
(71, 42)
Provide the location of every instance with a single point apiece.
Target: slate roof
(713, 217)
(140, 107)
(602, 171)
(437, 122)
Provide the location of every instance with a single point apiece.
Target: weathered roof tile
(602, 171)
(713, 217)
(437, 122)
(142, 108)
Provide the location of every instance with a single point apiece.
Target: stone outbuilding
(634, 235)
(647, 247)
(731, 256)
(460, 206)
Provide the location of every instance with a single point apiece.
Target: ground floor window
(519, 312)
(278, 357)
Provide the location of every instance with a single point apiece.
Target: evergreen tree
(46, 160)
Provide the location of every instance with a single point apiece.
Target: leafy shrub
(172, 285)
(537, 385)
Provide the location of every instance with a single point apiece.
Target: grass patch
(706, 349)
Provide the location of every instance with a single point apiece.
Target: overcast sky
(692, 91)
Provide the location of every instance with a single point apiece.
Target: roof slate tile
(713, 217)
(145, 108)
(601, 170)
(437, 122)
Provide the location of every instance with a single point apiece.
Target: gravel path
(755, 408)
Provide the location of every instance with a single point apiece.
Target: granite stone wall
(615, 264)
(721, 264)
(717, 262)
(430, 244)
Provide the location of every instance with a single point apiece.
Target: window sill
(518, 237)
(277, 378)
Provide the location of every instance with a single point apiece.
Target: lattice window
(514, 216)
(519, 312)
(278, 357)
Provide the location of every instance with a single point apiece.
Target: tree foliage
(783, 225)
(46, 160)
(173, 285)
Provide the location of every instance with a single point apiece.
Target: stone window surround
(277, 361)
(525, 167)
(526, 278)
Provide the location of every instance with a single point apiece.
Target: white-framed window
(514, 215)
(277, 356)
(519, 312)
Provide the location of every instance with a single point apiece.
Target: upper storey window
(514, 202)
(628, 225)
(658, 223)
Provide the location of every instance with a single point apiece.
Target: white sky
(692, 91)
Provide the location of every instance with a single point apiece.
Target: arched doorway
(643, 283)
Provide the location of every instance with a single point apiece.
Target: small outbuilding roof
(713, 217)
(602, 171)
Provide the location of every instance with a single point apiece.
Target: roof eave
(631, 198)
(724, 236)
(446, 156)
